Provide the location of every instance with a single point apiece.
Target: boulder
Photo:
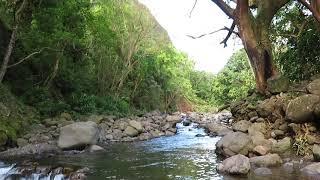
(268, 160)
(257, 127)
(262, 171)
(312, 169)
(266, 107)
(314, 87)
(282, 146)
(316, 152)
(234, 143)
(242, 126)
(173, 118)
(238, 164)
(259, 140)
(78, 134)
(261, 150)
(137, 125)
(215, 128)
(130, 131)
(301, 108)
(278, 84)
(186, 122)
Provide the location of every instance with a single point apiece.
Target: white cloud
(207, 52)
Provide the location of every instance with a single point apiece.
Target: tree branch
(225, 8)
(194, 5)
(29, 56)
(222, 29)
(314, 11)
(231, 30)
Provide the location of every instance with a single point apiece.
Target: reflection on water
(183, 156)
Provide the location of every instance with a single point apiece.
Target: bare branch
(194, 5)
(314, 11)
(231, 30)
(222, 29)
(29, 56)
(225, 8)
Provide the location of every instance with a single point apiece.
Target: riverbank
(280, 131)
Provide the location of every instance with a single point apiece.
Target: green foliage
(109, 57)
(297, 42)
(234, 81)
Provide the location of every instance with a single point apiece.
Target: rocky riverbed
(280, 131)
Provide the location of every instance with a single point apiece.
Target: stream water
(187, 155)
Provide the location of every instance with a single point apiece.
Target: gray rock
(314, 87)
(22, 142)
(316, 152)
(109, 137)
(301, 108)
(312, 139)
(95, 148)
(30, 149)
(268, 160)
(122, 125)
(257, 127)
(238, 164)
(278, 84)
(117, 134)
(173, 118)
(242, 126)
(261, 150)
(277, 134)
(78, 134)
(95, 118)
(155, 133)
(234, 143)
(284, 127)
(67, 116)
(266, 107)
(312, 169)
(258, 139)
(263, 171)
(130, 131)
(252, 114)
(260, 120)
(282, 146)
(137, 125)
(145, 136)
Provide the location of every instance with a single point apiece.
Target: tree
(14, 33)
(253, 20)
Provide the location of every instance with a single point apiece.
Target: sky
(207, 52)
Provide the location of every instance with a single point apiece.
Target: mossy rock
(15, 117)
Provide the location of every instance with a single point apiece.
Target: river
(187, 155)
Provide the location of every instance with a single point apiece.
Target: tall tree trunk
(255, 38)
(8, 53)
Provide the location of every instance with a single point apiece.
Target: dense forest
(112, 57)
(82, 76)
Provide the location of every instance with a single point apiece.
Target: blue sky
(207, 52)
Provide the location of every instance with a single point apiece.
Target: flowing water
(187, 155)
